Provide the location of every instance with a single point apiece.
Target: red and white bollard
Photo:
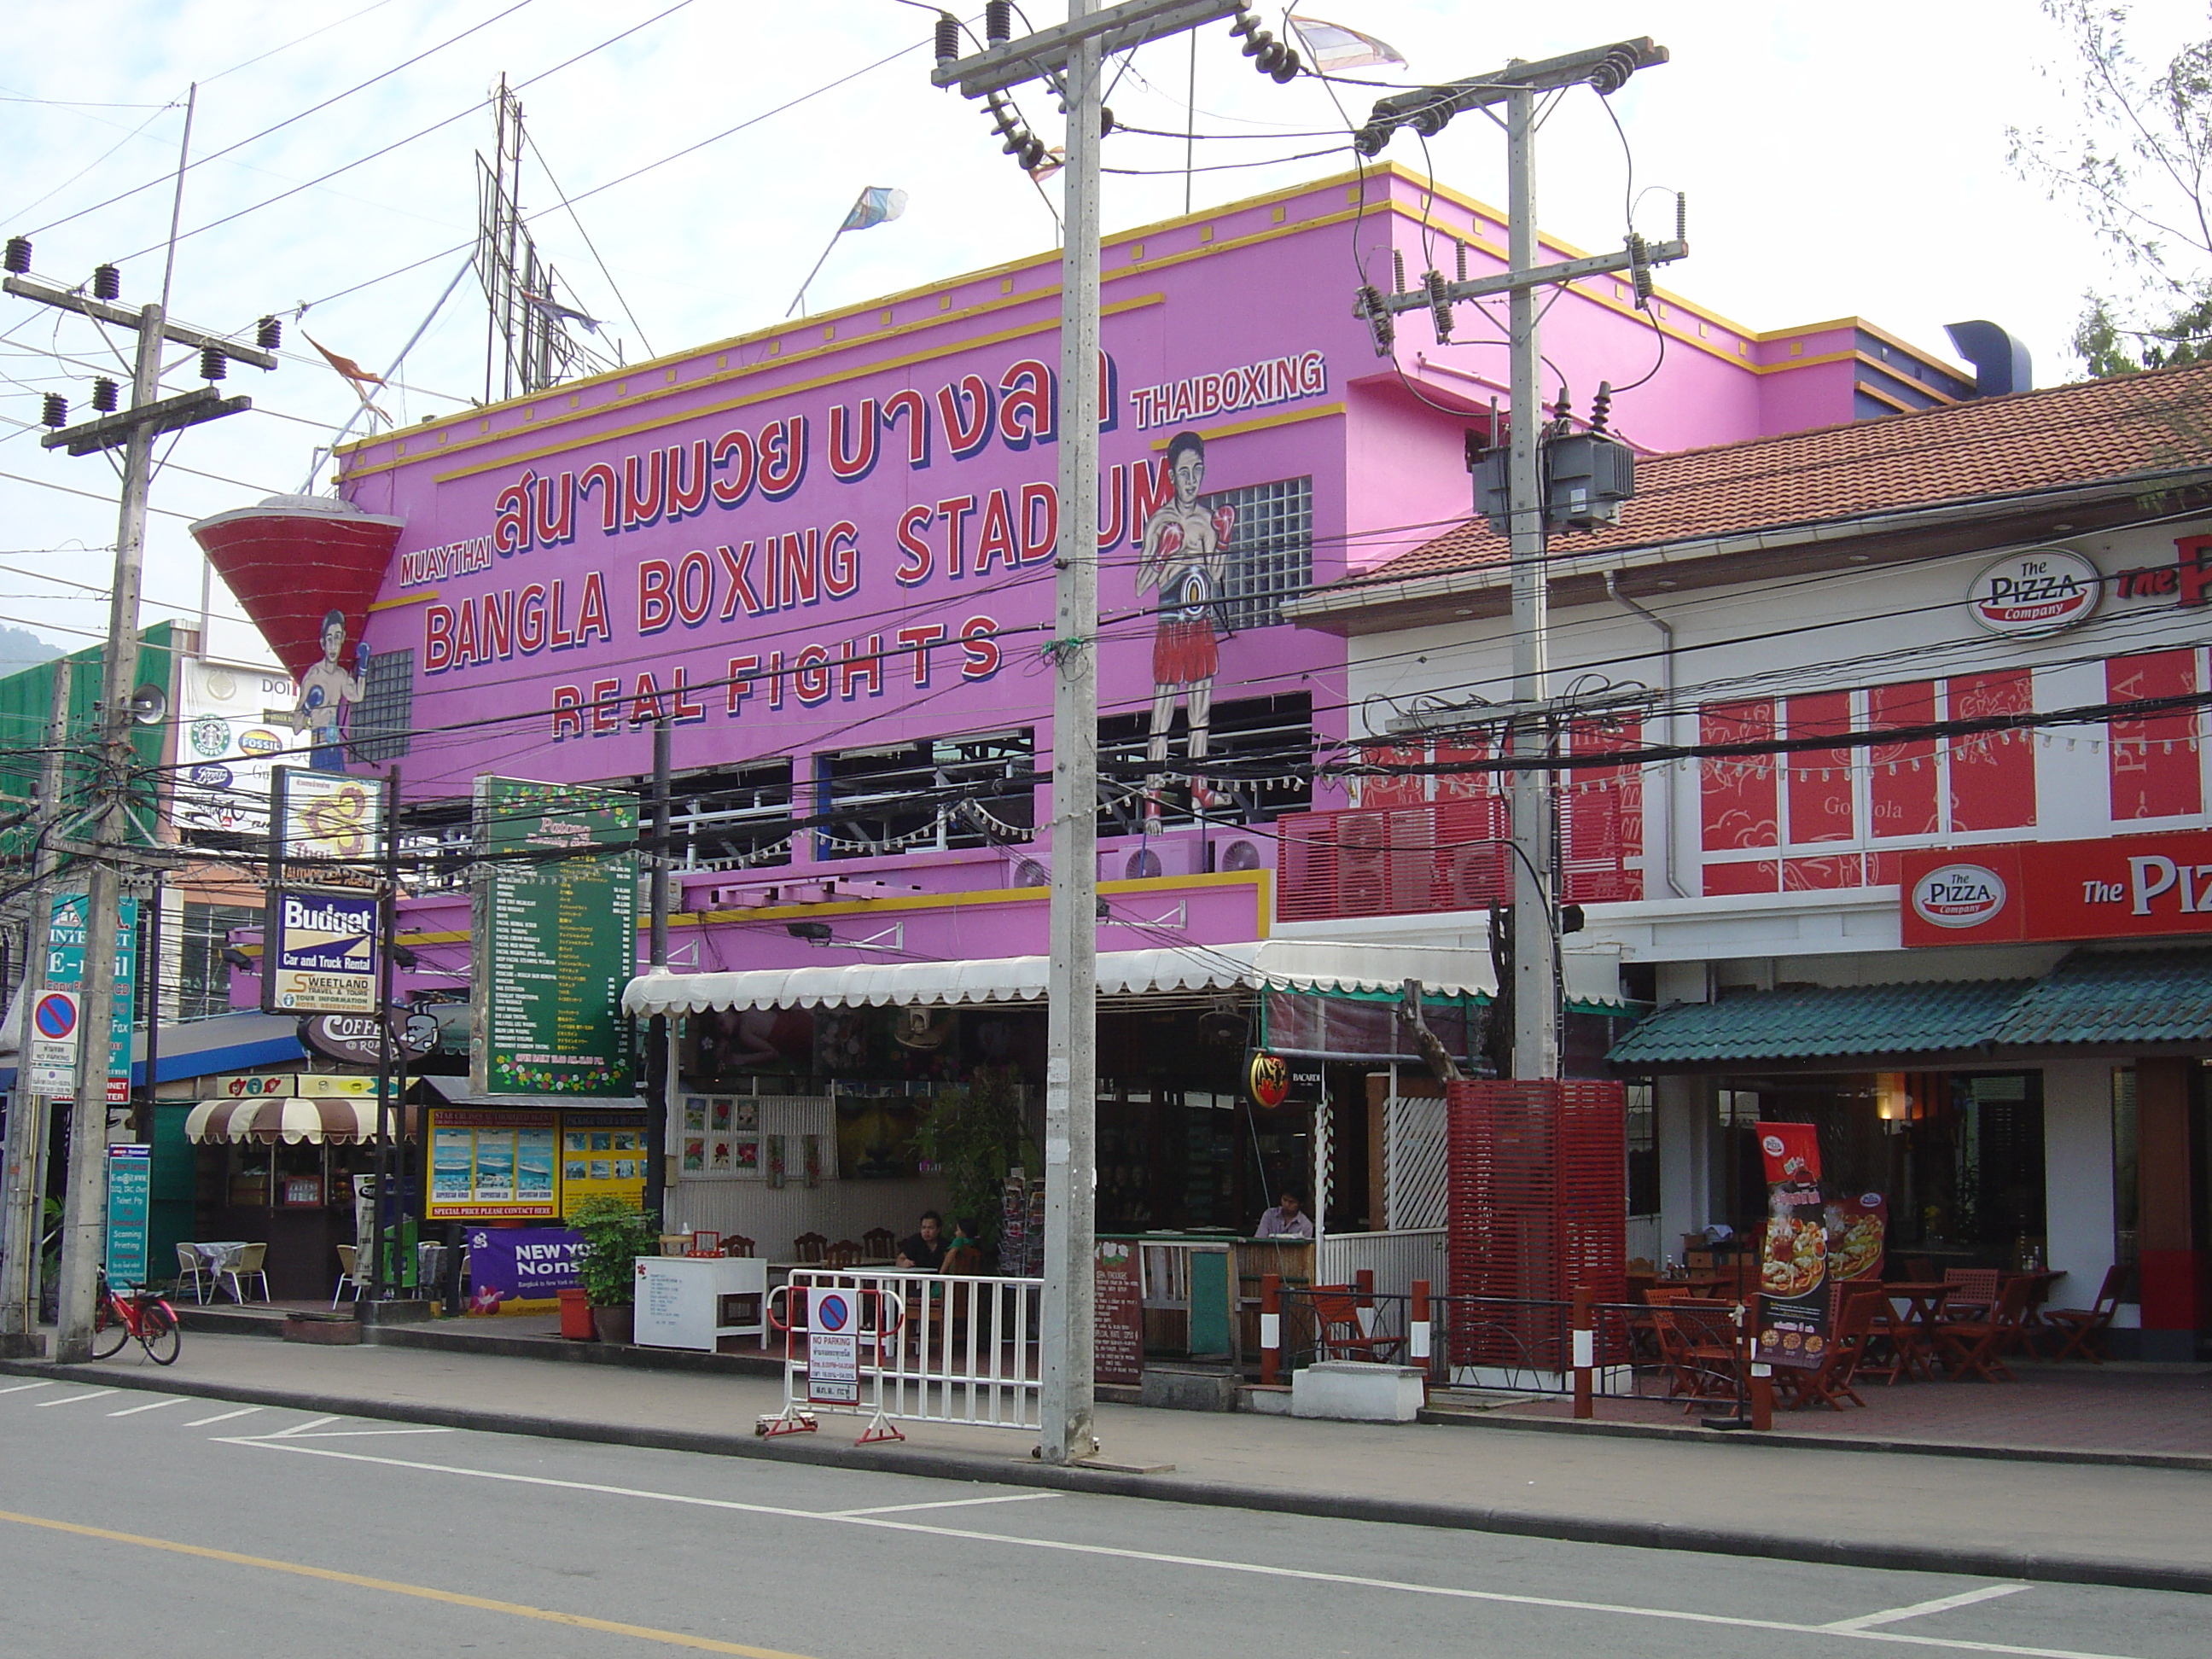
(1363, 1285)
(1270, 1328)
(1417, 1330)
(1585, 1354)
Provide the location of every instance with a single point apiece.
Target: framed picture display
(719, 1138)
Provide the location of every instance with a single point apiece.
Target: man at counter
(924, 1250)
(1287, 1220)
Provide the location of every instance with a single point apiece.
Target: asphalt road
(191, 1527)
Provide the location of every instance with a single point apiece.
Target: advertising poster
(556, 939)
(833, 1348)
(1856, 1230)
(493, 1165)
(65, 972)
(603, 1155)
(1118, 1351)
(319, 954)
(326, 830)
(1793, 1303)
(513, 1270)
(130, 1173)
(227, 745)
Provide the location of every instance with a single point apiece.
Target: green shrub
(615, 1235)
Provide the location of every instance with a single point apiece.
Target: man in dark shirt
(924, 1251)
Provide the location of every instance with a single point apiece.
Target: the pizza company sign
(2042, 591)
(2122, 887)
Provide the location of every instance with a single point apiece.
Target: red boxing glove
(1224, 525)
(1170, 542)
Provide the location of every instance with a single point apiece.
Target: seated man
(1287, 1220)
(924, 1250)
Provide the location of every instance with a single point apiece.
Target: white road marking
(947, 1504)
(224, 1417)
(299, 1428)
(20, 1387)
(351, 1434)
(72, 1399)
(1260, 1569)
(133, 1411)
(1919, 1609)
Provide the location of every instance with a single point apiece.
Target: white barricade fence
(913, 1346)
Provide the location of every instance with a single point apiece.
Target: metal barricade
(925, 1347)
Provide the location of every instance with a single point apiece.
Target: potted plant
(972, 1137)
(615, 1235)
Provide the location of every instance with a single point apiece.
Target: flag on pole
(360, 378)
(1332, 47)
(878, 204)
(559, 312)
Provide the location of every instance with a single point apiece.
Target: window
(203, 977)
(1246, 738)
(1270, 549)
(729, 820)
(1643, 1150)
(975, 791)
(379, 731)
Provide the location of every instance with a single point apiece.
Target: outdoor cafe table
(1910, 1325)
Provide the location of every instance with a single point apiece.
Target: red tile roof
(1990, 449)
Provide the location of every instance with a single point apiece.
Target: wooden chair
(2083, 1328)
(879, 1244)
(809, 1248)
(1977, 1291)
(1849, 1325)
(966, 1259)
(1698, 1345)
(248, 1266)
(1889, 1350)
(843, 1254)
(192, 1271)
(348, 1259)
(1341, 1333)
(737, 1244)
(1976, 1346)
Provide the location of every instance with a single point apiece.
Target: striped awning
(286, 1118)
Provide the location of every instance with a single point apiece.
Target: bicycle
(140, 1313)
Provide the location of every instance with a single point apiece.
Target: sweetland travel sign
(2121, 887)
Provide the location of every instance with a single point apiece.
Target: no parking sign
(53, 1042)
(833, 1347)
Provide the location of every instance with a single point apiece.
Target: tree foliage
(974, 1136)
(615, 1234)
(2138, 162)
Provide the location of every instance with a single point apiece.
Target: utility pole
(26, 1156)
(1534, 820)
(133, 430)
(656, 1042)
(1067, 58)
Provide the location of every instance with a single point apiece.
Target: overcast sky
(1837, 161)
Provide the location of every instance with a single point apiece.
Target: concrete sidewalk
(2144, 1528)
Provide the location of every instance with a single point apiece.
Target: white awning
(1286, 964)
(338, 1119)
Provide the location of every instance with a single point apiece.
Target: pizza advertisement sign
(1793, 1271)
(1857, 1228)
(2157, 885)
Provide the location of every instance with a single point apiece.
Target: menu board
(487, 1165)
(1118, 1350)
(603, 1155)
(556, 939)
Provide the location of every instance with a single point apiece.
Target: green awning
(2116, 997)
(1819, 1023)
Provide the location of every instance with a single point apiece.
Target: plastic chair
(348, 1255)
(1343, 1334)
(193, 1272)
(248, 1266)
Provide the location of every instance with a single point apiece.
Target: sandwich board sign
(833, 1347)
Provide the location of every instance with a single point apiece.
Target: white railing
(1396, 1259)
(933, 1348)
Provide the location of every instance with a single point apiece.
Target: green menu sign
(556, 939)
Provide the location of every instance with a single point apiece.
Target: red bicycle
(140, 1313)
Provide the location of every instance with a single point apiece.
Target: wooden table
(1909, 1327)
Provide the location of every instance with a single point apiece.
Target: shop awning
(242, 1042)
(1820, 1022)
(1286, 964)
(290, 1119)
(2123, 997)
(454, 1091)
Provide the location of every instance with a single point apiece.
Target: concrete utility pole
(83, 1218)
(1533, 803)
(1068, 57)
(25, 1155)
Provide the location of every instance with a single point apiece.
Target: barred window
(1270, 549)
(971, 791)
(379, 731)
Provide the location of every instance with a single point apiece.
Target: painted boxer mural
(1184, 556)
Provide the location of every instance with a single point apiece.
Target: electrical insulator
(1612, 70)
(948, 37)
(19, 256)
(1397, 271)
(1640, 270)
(1601, 406)
(1681, 216)
(1440, 306)
(1369, 309)
(214, 365)
(998, 22)
(53, 411)
(103, 395)
(269, 333)
(1462, 262)
(1268, 55)
(106, 283)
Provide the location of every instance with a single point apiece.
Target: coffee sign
(2045, 590)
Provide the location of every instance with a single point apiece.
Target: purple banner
(519, 1264)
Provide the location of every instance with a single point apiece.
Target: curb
(1213, 1494)
(2192, 1463)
